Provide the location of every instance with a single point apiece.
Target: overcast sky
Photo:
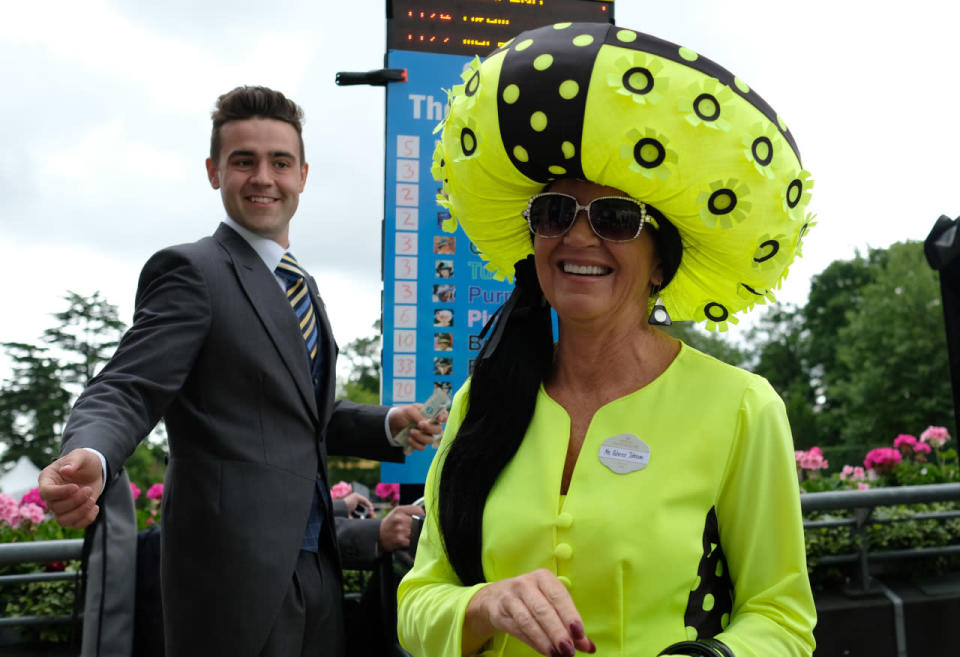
(104, 127)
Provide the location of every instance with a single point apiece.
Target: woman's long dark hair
(503, 394)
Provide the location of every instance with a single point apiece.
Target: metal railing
(38, 552)
(862, 505)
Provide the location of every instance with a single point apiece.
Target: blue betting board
(437, 295)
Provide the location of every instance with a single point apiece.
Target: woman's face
(586, 278)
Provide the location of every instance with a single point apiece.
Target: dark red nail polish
(567, 649)
(555, 653)
(576, 630)
(593, 647)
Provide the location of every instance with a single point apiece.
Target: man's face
(259, 175)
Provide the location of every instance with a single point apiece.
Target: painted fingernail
(593, 647)
(555, 653)
(567, 649)
(576, 630)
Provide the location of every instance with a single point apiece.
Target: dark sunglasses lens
(551, 214)
(616, 219)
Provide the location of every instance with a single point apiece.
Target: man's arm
(362, 541)
(125, 400)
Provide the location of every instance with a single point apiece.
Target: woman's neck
(609, 362)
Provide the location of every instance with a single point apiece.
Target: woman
(617, 492)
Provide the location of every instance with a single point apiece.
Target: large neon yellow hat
(658, 121)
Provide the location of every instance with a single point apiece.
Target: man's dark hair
(254, 102)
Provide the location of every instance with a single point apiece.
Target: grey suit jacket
(215, 349)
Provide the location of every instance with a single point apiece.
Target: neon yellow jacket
(638, 551)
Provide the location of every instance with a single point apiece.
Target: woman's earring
(659, 316)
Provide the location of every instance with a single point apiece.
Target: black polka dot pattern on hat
(649, 153)
(668, 50)
(549, 70)
(762, 149)
(794, 192)
(722, 201)
(473, 84)
(638, 80)
(710, 603)
(766, 250)
(716, 312)
(468, 142)
(752, 291)
(706, 107)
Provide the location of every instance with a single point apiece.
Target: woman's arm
(761, 532)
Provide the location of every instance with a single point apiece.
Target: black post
(942, 249)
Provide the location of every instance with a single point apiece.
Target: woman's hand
(535, 608)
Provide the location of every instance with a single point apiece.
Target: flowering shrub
(935, 436)
(388, 492)
(906, 462)
(155, 492)
(340, 489)
(28, 520)
(882, 460)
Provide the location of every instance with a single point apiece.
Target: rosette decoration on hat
(667, 126)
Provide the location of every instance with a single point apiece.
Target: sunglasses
(612, 218)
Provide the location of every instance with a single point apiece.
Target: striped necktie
(299, 297)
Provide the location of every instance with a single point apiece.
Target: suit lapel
(261, 288)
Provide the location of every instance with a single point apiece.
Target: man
(231, 345)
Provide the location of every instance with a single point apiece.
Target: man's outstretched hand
(71, 485)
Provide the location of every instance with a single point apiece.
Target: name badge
(624, 453)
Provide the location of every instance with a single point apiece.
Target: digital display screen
(476, 27)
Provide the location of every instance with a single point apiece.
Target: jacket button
(564, 520)
(563, 551)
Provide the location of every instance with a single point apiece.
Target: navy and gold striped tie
(299, 297)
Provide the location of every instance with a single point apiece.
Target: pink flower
(922, 448)
(150, 521)
(155, 492)
(9, 510)
(904, 439)
(33, 497)
(853, 473)
(862, 485)
(388, 491)
(340, 489)
(882, 459)
(813, 459)
(935, 436)
(32, 512)
(135, 491)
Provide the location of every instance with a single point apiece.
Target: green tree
(709, 343)
(36, 399)
(362, 385)
(892, 372)
(781, 347)
(87, 333)
(33, 405)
